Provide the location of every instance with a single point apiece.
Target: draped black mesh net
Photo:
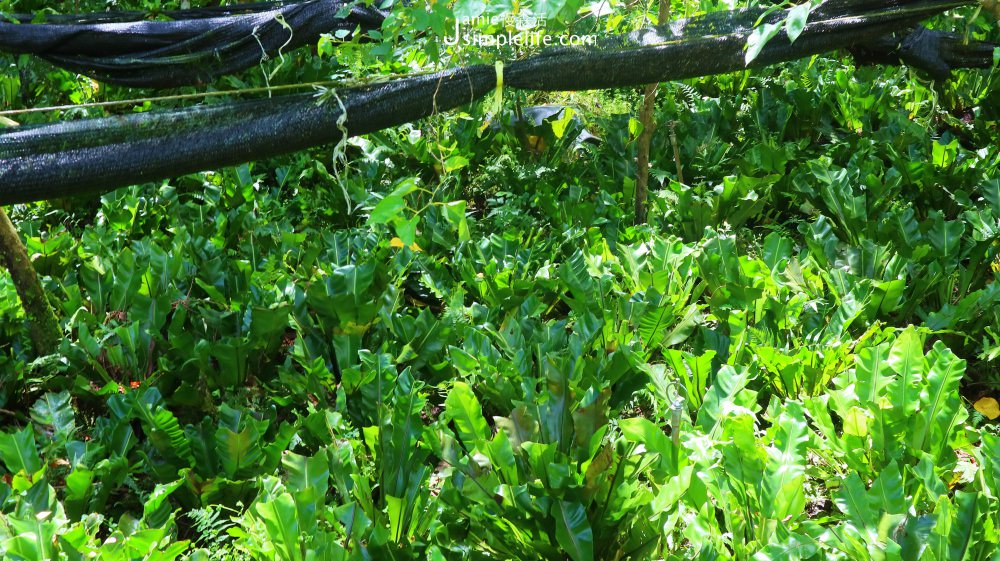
(192, 47)
(97, 155)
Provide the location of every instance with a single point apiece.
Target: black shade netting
(714, 44)
(113, 16)
(202, 44)
(195, 47)
(97, 155)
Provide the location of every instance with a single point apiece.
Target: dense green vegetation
(450, 341)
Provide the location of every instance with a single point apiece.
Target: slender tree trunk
(677, 151)
(43, 327)
(642, 159)
(646, 137)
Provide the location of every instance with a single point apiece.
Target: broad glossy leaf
(946, 237)
(577, 278)
(402, 469)
(966, 525)
(941, 409)
(161, 425)
(407, 232)
(463, 408)
(847, 209)
(169, 552)
(991, 192)
(915, 536)
(501, 454)
(19, 452)
(856, 422)
(156, 511)
(887, 491)
(79, 489)
(796, 21)
(821, 240)
(520, 426)
(943, 155)
(907, 359)
(643, 431)
(555, 413)
(784, 472)
(907, 228)
(455, 213)
(683, 327)
(282, 525)
(850, 309)
(346, 295)
(793, 547)
(743, 458)
(55, 410)
(573, 531)
(239, 452)
(930, 476)
(852, 500)
(658, 316)
(758, 39)
(991, 455)
(33, 539)
(590, 419)
(776, 251)
(204, 448)
(694, 372)
(873, 374)
(396, 509)
(728, 382)
(307, 471)
(387, 210)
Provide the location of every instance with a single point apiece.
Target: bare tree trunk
(43, 327)
(642, 159)
(646, 136)
(677, 151)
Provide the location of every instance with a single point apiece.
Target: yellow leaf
(536, 144)
(595, 471)
(989, 407)
(396, 242)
